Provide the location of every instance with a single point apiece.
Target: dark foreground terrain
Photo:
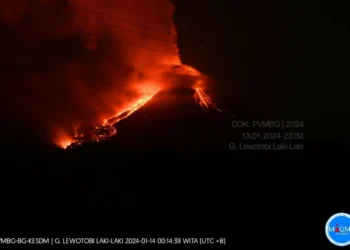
(170, 172)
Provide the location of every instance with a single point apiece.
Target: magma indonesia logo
(338, 229)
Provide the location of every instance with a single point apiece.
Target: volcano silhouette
(138, 170)
(171, 120)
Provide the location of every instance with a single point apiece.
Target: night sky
(272, 59)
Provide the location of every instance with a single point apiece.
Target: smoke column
(67, 63)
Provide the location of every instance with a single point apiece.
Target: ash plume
(67, 63)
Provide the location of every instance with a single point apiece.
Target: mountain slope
(171, 120)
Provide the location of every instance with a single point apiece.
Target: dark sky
(272, 59)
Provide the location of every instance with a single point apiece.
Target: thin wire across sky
(117, 27)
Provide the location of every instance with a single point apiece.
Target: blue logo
(338, 229)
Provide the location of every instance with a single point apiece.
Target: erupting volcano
(108, 128)
(98, 62)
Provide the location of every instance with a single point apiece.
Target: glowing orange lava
(65, 143)
(63, 139)
(126, 113)
(107, 130)
(204, 100)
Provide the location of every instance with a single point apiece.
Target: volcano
(179, 119)
(105, 128)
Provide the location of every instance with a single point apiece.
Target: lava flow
(124, 114)
(204, 100)
(108, 129)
